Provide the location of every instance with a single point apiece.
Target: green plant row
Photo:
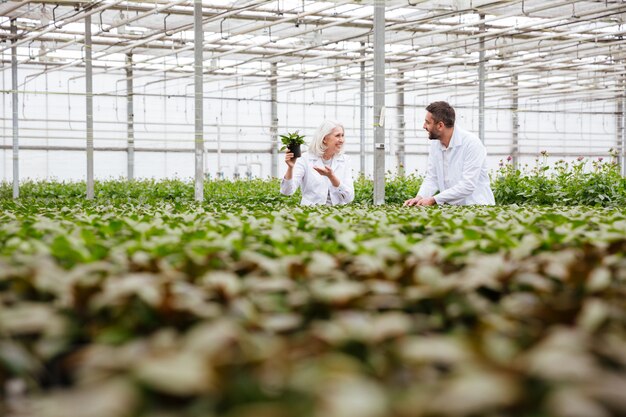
(599, 184)
(239, 310)
(581, 182)
(215, 191)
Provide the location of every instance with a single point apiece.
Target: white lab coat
(315, 187)
(468, 180)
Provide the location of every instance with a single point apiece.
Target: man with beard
(457, 163)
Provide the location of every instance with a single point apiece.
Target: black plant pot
(295, 150)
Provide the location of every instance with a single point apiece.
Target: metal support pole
(47, 125)
(130, 118)
(89, 104)
(16, 140)
(362, 108)
(515, 122)
(220, 171)
(622, 117)
(481, 82)
(379, 102)
(274, 116)
(619, 126)
(199, 127)
(5, 166)
(400, 156)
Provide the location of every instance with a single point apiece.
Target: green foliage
(223, 308)
(254, 191)
(151, 191)
(398, 189)
(291, 138)
(582, 182)
(564, 184)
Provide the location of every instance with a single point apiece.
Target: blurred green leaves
(161, 308)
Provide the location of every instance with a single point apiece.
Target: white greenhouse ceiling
(543, 48)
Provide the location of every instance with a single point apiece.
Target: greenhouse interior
(163, 255)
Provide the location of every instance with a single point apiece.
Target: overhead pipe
(496, 77)
(401, 67)
(79, 40)
(447, 63)
(184, 27)
(246, 48)
(51, 28)
(507, 31)
(497, 33)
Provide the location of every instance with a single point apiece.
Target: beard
(433, 136)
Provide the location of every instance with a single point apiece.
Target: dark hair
(442, 112)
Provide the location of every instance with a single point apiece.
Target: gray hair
(317, 146)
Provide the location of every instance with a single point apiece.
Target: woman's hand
(328, 172)
(325, 171)
(289, 159)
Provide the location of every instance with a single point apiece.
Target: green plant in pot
(292, 141)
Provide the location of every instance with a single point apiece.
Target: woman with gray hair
(324, 173)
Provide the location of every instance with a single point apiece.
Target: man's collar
(455, 140)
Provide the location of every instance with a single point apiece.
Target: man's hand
(428, 201)
(413, 201)
(420, 201)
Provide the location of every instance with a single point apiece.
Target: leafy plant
(564, 183)
(165, 307)
(290, 139)
(596, 182)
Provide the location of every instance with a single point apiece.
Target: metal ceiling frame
(242, 47)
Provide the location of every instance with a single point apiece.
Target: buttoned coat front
(465, 171)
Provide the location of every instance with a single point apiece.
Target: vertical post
(515, 123)
(400, 155)
(621, 121)
(379, 102)
(89, 106)
(166, 143)
(481, 81)
(220, 173)
(619, 124)
(199, 125)
(337, 76)
(274, 116)
(130, 119)
(47, 125)
(362, 108)
(16, 160)
(4, 127)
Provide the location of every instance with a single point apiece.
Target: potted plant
(292, 141)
